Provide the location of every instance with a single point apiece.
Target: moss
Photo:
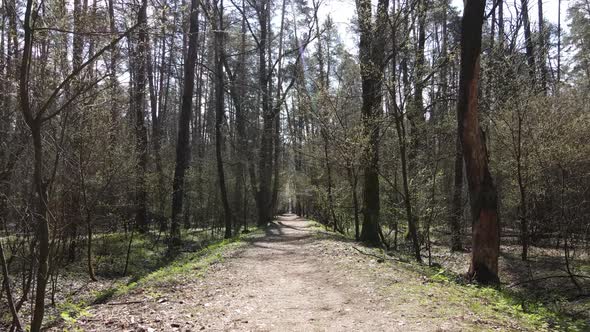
(70, 311)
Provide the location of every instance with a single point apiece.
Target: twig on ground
(124, 303)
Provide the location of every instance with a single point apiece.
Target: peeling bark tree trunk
(482, 191)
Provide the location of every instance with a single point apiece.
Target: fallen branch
(124, 303)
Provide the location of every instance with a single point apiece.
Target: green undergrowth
(448, 295)
(185, 265)
(148, 253)
(445, 295)
(504, 304)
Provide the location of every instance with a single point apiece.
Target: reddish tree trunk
(482, 191)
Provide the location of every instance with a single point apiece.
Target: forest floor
(295, 277)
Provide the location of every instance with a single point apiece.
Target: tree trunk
(41, 224)
(530, 53)
(140, 128)
(416, 112)
(558, 46)
(263, 196)
(482, 191)
(542, 48)
(240, 125)
(155, 112)
(219, 115)
(42, 228)
(402, 139)
(501, 25)
(183, 143)
(524, 236)
(371, 52)
(114, 84)
(277, 111)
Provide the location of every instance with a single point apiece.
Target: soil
(294, 278)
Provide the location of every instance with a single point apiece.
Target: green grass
(150, 267)
(183, 266)
(148, 253)
(444, 295)
(501, 305)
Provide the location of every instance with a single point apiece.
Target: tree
(184, 120)
(482, 191)
(35, 119)
(263, 194)
(219, 116)
(139, 103)
(372, 62)
(529, 46)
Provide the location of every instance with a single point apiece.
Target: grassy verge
(501, 304)
(150, 268)
(447, 296)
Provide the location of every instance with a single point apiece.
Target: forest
(145, 143)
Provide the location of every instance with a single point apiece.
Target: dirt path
(291, 279)
(285, 281)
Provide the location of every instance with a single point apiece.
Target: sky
(342, 12)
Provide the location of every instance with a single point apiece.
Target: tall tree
(139, 102)
(482, 190)
(372, 61)
(457, 199)
(542, 47)
(184, 121)
(528, 39)
(220, 115)
(36, 115)
(263, 195)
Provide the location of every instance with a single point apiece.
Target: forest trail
(284, 282)
(294, 278)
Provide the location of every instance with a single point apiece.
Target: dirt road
(286, 281)
(291, 279)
